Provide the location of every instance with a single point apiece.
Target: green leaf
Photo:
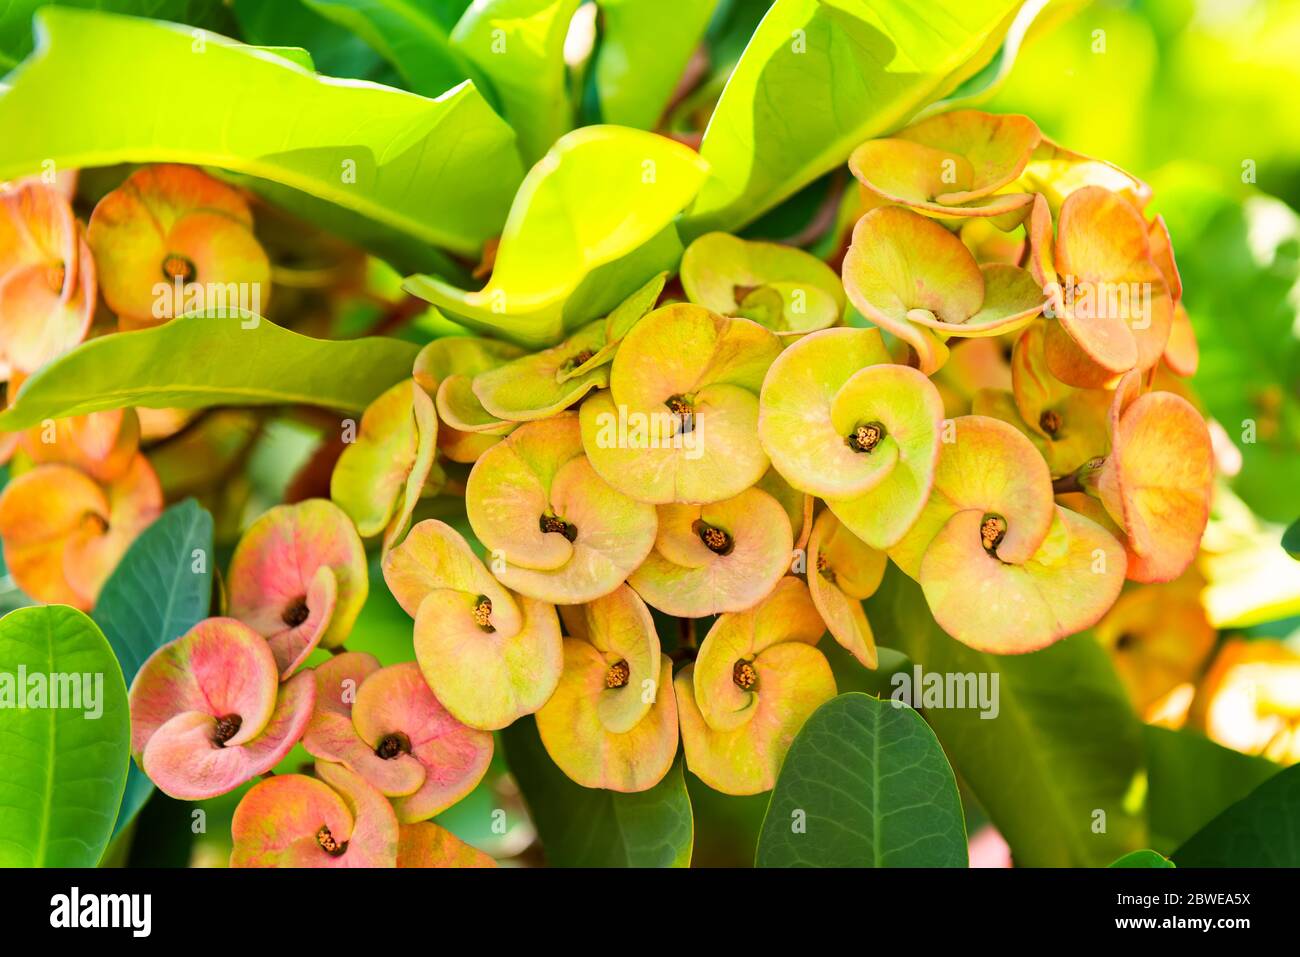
(602, 196)
(1258, 831)
(16, 19)
(865, 784)
(442, 171)
(984, 82)
(64, 766)
(591, 827)
(199, 361)
(1291, 539)
(160, 589)
(334, 50)
(1190, 779)
(408, 35)
(644, 47)
(1064, 745)
(1143, 858)
(519, 46)
(821, 76)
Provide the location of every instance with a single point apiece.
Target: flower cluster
(987, 396)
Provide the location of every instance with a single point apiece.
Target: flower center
(328, 844)
(993, 529)
(824, 569)
(617, 675)
(579, 359)
(1125, 641)
(176, 266)
(296, 612)
(865, 437)
(744, 674)
(714, 538)
(553, 523)
(1050, 422)
(227, 727)
(392, 745)
(684, 408)
(56, 276)
(483, 613)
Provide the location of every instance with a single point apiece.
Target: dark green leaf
(865, 784)
(1059, 768)
(409, 36)
(1145, 858)
(1260, 830)
(159, 590)
(1190, 779)
(64, 767)
(590, 827)
(1291, 540)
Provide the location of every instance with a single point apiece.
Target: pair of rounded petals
(780, 287)
(1004, 569)
(1070, 426)
(387, 726)
(490, 656)
(64, 532)
(841, 422)
(911, 276)
(47, 278)
(678, 420)
(170, 224)
(755, 682)
(559, 531)
(1157, 481)
(715, 558)
(208, 711)
(379, 478)
(955, 165)
(1112, 284)
(298, 578)
(101, 444)
(336, 819)
(612, 721)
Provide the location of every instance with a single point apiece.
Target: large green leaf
(410, 37)
(1191, 779)
(592, 827)
(65, 766)
(519, 46)
(1260, 830)
(160, 589)
(644, 47)
(1059, 768)
(865, 784)
(821, 76)
(442, 171)
(199, 361)
(602, 196)
(16, 19)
